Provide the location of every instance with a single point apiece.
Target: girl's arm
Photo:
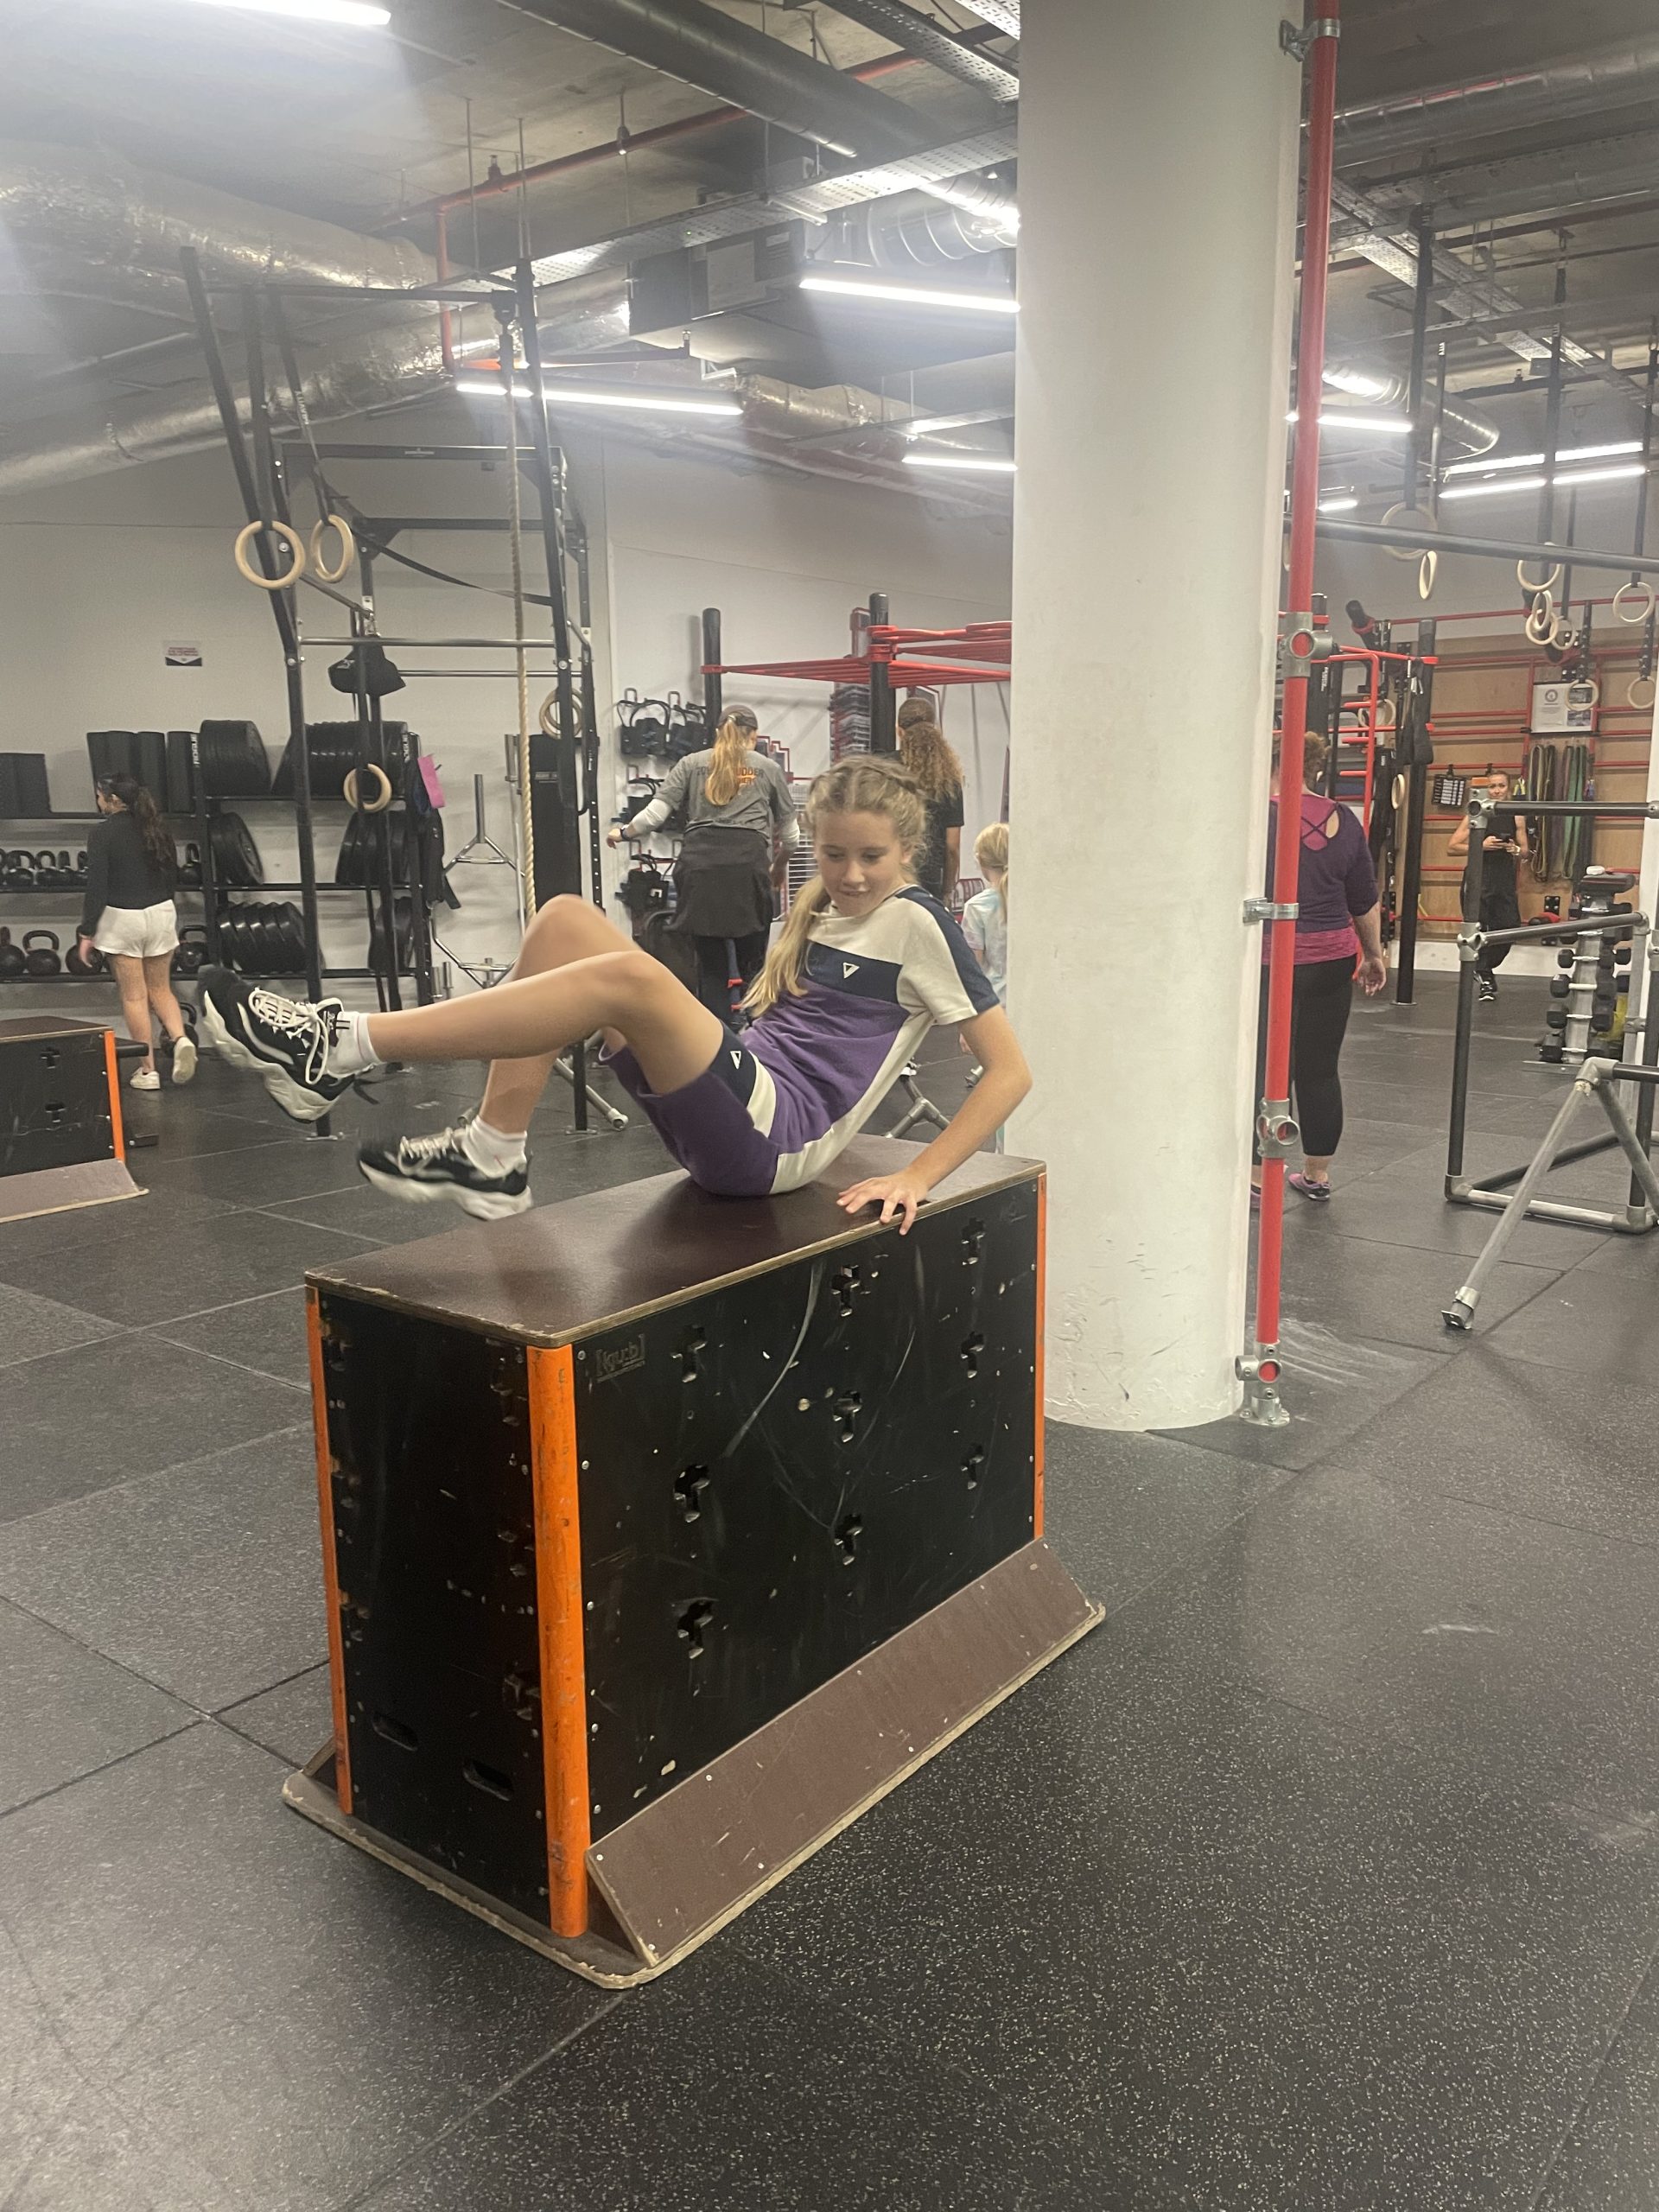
(1522, 847)
(1457, 844)
(975, 936)
(1007, 1079)
(952, 861)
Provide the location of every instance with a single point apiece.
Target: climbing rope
(521, 643)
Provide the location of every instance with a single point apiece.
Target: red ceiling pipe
(634, 142)
(1299, 633)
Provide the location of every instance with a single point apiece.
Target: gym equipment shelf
(664, 1535)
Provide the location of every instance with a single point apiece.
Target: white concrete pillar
(1158, 158)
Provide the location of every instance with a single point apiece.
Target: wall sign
(181, 656)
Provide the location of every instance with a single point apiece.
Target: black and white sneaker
(1486, 990)
(421, 1169)
(286, 1042)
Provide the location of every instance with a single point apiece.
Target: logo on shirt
(737, 1059)
(849, 967)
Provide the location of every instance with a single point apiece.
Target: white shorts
(140, 933)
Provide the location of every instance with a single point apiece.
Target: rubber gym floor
(1325, 1874)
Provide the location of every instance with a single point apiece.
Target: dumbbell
(1556, 1017)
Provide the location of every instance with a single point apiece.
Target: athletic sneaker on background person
(128, 915)
(865, 965)
(936, 772)
(1340, 919)
(1505, 844)
(740, 830)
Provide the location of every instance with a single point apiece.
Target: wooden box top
(561, 1272)
(19, 1027)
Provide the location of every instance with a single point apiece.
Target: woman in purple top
(1339, 920)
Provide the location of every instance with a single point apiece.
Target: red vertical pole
(1323, 29)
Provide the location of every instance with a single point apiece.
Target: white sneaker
(184, 1058)
(146, 1079)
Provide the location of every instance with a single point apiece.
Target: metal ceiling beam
(1491, 549)
(1001, 15)
(690, 40)
(919, 34)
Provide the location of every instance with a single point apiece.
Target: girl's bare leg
(588, 976)
(566, 929)
(158, 989)
(135, 1002)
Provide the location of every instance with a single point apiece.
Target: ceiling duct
(120, 229)
(734, 62)
(1597, 82)
(911, 230)
(921, 36)
(376, 366)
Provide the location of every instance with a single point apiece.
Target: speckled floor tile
(284, 2017)
(65, 1711)
(265, 1335)
(30, 1326)
(295, 1720)
(1609, 2162)
(206, 1579)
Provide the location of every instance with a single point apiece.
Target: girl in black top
(932, 766)
(131, 866)
(1505, 844)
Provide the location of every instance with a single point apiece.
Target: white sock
(493, 1150)
(352, 1052)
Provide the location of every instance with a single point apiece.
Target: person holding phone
(1505, 844)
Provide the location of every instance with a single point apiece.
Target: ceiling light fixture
(565, 395)
(360, 14)
(923, 295)
(1342, 503)
(1393, 426)
(988, 464)
(1488, 467)
(1564, 481)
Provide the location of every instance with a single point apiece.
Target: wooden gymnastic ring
(1388, 715)
(1404, 512)
(1399, 791)
(1539, 624)
(291, 538)
(1527, 584)
(348, 542)
(1426, 568)
(349, 790)
(1636, 583)
(1630, 699)
(547, 717)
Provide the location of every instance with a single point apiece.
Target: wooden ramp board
(60, 1190)
(556, 1273)
(690, 1863)
(680, 1871)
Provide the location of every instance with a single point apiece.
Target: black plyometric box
(615, 1491)
(55, 1096)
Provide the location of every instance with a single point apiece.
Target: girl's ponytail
(135, 797)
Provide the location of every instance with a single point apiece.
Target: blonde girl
(865, 965)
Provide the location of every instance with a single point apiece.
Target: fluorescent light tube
(923, 295)
(565, 395)
(1601, 475)
(359, 14)
(1486, 491)
(985, 462)
(1394, 426)
(1342, 504)
(1569, 454)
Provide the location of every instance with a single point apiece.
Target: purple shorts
(705, 1123)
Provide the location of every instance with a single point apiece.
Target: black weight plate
(291, 922)
(270, 941)
(233, 762)
(181, 789)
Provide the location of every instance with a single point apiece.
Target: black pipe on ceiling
(734, 62)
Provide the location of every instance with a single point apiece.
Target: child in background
(985, 918)
(985, 922)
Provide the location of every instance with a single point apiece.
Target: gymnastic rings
(381, 798)
(1405, 514)
(1426, 568)
(291, 538)
(1388, 715)
(547, 717)
(1637, 683)
(1542, 618)
(1527, 585)
(1621, 597)
(1399, 791)
(347, 548)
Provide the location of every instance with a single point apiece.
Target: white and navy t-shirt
(875, 985)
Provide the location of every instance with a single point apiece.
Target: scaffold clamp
(1270, 910)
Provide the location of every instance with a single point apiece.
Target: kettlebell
(190, 868)
(79, 964)
(192, 954)
(46, 870)
(12, 964)
(40, 958)
(19, 870)
(81, 867)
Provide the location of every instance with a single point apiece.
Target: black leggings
(714, 970)
(1323, 992)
